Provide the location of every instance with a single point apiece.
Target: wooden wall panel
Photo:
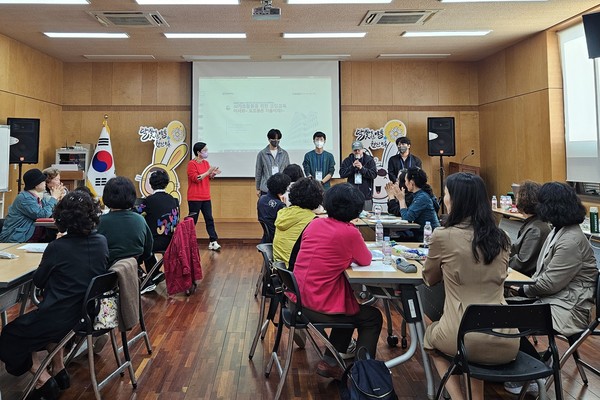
(4, 66)
(102, 81)
(127, 84)
(455, 84)
(415, 83)
(174, 86)
(78, 87)
(150, 84)
(492, 78)
(361, 83)
(381, 78)
(30, 71)
(527, 66)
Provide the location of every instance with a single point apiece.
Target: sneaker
(351, 352)
(329, 371)
(158, 278)
(515, 388)
(149, 288)
(214, 246)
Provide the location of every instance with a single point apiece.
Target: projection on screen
(235, 105)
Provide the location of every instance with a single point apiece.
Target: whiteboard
(4, 156)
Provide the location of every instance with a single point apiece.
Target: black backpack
(367, 379)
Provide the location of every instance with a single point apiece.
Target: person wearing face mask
(360, 170)
(28, 206)
(403, 160)
(199, 173)
(318, 163)
(269, 161)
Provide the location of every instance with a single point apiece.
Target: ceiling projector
(266, 13)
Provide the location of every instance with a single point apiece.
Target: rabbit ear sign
(159, 154)
(177, 156)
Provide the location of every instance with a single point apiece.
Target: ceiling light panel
(338, 1)
(400, 55)
(86, 35)
(205, 35)
(337, 35)
(186, 2)
(119, 56)
(44, 2)
(486, 1)
(444, 33)
(313, 56)
(215, 58)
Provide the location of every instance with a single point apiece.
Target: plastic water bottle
(427, 231)
(377, 211)
(593, 224)
(494, 202)
(387, 251)
(379, 232)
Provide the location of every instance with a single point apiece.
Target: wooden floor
(201, 346)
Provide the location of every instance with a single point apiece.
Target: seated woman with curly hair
(566, 271)
(525, 250)
(306, 195)
(68, 266)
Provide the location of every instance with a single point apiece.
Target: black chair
(578, 339)
(1, 223)
(529, 319)
(100, 287)
(268, 233)
(269, 291)
(291, 316)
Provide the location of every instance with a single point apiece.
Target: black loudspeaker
(25, 140)
(440, 136)
(591, 25)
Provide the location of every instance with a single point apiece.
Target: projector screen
(235, 104)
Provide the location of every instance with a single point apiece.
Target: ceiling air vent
(396, 17)
(129, 18)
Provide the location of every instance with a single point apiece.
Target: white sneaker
(515, 388)
(150, 287)
(214, 246)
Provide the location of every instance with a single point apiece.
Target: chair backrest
(95, 291)
(1, 223)
(290, 289)
(268, 233)
(266, 250)
(529, 319)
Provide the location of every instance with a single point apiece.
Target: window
(581, 77)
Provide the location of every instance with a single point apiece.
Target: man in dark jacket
(403, 160)
(360, 170)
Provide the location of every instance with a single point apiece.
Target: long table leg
(413, 314)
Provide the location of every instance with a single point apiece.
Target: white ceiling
(510, 22)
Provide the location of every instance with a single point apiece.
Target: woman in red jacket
(329, 246)
(199, 174)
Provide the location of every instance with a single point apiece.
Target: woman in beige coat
(470, 254)
(566, 271)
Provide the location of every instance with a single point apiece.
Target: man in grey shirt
(269, 161)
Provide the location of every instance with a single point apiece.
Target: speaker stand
(442, 206)
(20, 178)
